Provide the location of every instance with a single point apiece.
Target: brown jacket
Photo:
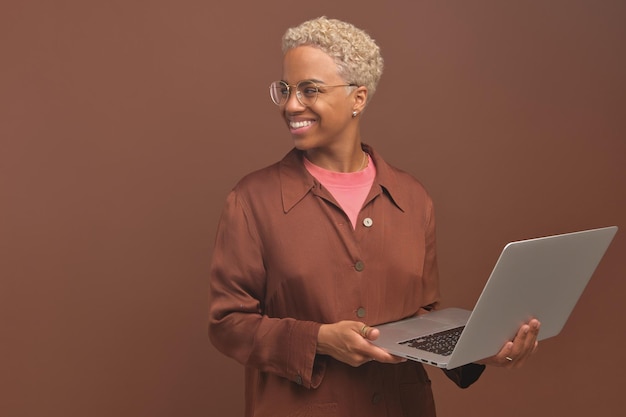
(287, 259)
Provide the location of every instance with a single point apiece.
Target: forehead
(309, 63)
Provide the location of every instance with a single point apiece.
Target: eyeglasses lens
(306, 92)
(279, 92)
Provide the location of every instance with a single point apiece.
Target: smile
(300, 125)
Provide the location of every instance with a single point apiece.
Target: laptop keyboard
(441, 343)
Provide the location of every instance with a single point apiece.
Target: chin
(302, 143)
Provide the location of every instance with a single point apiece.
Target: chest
(321, 268)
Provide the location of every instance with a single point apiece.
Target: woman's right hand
(348, 342)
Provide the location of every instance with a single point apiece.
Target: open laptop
(539, 278)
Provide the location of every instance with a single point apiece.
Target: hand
(348, 342)
(514, 354)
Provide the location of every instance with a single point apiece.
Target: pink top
(349, 188)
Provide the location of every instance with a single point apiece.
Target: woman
(314, 249)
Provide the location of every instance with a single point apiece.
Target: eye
(308, 90)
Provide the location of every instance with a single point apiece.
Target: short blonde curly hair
(356, 54)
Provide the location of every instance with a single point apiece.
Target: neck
(348, 161)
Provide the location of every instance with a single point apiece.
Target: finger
(372, 352)
(369, 333)
(521, 345)
(506, 356)
(378, 354)
(381, 355)
(530, 340)
(365, 330)
(525, 344)
(372, 333)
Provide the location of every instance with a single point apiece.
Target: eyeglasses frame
(298, 93)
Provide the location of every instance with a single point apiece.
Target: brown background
(123, 124)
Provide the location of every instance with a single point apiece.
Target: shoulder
(287, 177)
(405, 189)
(260, 178)
(407, 179)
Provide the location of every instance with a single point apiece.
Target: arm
(238, 326)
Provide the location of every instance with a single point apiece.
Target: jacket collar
(296, 181)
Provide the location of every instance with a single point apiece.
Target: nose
(293, 105)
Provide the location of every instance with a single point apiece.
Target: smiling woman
(328, 241)
(320, 114)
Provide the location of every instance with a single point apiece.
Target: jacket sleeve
(430, 277)
(465, 375)
(238, 326)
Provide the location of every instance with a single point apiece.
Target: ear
(360, 99)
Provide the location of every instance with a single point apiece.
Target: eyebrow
(312, 80)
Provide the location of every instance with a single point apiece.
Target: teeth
(298, 125)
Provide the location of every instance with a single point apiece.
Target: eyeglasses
(306, 91)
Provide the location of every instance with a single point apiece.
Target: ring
(364, 331)
(509, 359)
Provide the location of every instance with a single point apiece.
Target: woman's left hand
(515, 353)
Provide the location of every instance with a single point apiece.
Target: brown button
(359, 266)
(360, 312)
(299, 380)
(376, 398)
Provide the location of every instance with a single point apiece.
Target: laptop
(539, 278)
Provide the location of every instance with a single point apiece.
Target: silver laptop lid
(541, 278)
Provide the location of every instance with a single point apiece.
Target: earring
(354, 113)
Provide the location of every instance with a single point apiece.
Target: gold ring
(364, 331)
(509, 359)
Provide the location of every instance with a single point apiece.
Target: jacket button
(360, 313)
(299, 380)
(359, 266)
(376, 398)
(367, 222)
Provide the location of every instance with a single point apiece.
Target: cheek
(334, 115)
